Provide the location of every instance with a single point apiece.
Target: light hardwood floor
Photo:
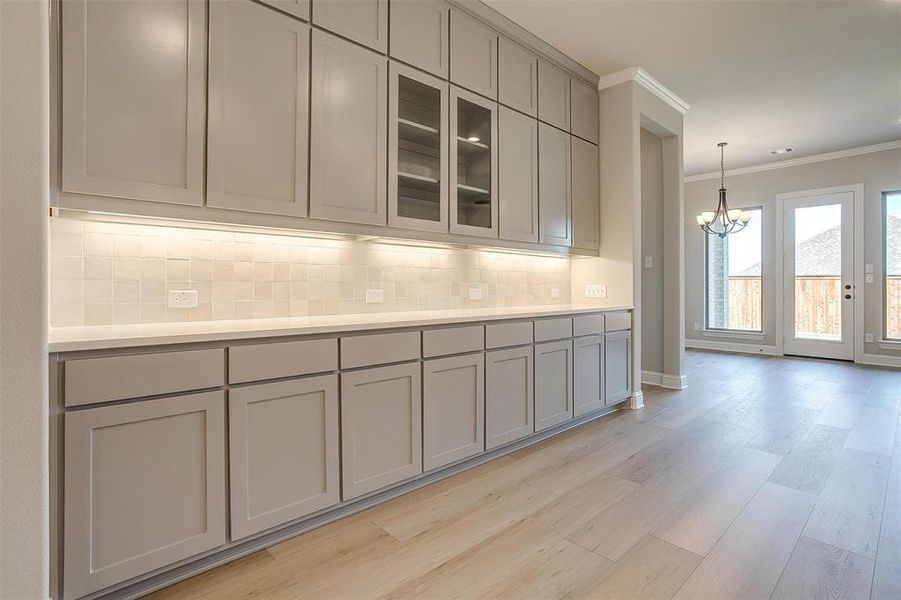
(767, 477)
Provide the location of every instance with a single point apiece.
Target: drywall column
(24, 192)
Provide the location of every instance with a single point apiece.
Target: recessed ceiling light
(786, 150)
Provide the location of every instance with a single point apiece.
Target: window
(734, 278)
(891, 236)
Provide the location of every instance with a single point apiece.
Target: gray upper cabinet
(517, 173)
(163, 460)
(553, 383)
(381, 427)
(258, 103)
(283, 452)
(363, 21)
(473, 55)
(588, 374)
(553, 95)
(297, 8)
(584, 111)
(509, 395)
(473, 164)
(517, 83)
(112, 73)
(453, 409)
(555, 185)
(419, 34)
(417, 150)
(348, 132)
(586, 195)
(617, 366)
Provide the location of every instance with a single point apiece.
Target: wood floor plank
(843, 411)
(234, 580)
(818, 570)
(891, 513)
(874, 431)
(807, 466)
(747, 561)
(651, 570)
(887, 578)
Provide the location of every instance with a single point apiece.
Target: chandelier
(725, 220)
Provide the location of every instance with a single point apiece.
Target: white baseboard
(672, 382)
(732, 347)
(879, 360)
(636, 400)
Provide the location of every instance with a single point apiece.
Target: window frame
(884, 277)
(706, 299)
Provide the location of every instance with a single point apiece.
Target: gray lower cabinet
(453, 409)
(381, 427)
(258, 106)
(517, 173)
(555, 186)
(134, 110)
(509, 395)
(283, 452)
(363, 21)
(553, 383)
(348, 132)
(473, 55)
(162, 460)
(588, 374)
(617, 366)
(419, 34)
(586, 195)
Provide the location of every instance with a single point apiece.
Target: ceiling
(816, 75)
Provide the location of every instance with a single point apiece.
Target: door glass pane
(892, 239)
(734, 277)
(473, 164)
(418, 150)
(818, 271)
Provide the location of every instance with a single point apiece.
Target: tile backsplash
(118, 273)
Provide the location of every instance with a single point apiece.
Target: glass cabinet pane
(474, 206)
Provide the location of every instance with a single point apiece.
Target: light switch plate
(555, 292)
(868, 338)
(648, 262)
(697, 326)
(182, 298)
(475, 293)
(596, 290)
(375, 296)
(868, 268)
(868, 278)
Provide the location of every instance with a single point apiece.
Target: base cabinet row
(299, 446)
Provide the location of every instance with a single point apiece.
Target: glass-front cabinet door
(417, 185)
(473, 164)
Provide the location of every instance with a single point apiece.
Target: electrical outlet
(597, 290)
(555, 292)
(648, 262)
(868, 278)
(475, 293)
(868, 268)
(868, 338)
(697, 326)
(182, 298)
(376, 296)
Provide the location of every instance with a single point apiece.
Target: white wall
(877, 171)
(24, 189)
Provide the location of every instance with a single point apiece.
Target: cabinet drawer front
(618, 322)
(92, 380)
(500, 335)
(379, 349)
(553, 329)
(588, 325)
(453, 340)
(284, 359)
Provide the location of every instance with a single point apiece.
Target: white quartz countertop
(72, 339)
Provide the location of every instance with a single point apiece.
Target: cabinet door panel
(133, 110)
(453, 409)
(553, 383)
(588, 374)
(586, 200)
(553, 95)
(381, 427)
(348, 133)
(555, 186)
(160, 460)
(617, 366)
(584, 111)
(298, 8)
(363, 21)
(259, 77)
(473, 164)
(419, 34)
(517, 77)
(517, 173)
(473, 55)
(509, 396)
(283, 449)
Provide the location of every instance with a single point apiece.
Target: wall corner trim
(647, 81)
(636, 400)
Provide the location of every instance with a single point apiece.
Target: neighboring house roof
(819, 255)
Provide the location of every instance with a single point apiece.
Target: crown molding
(801, 160)
(648, 82)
